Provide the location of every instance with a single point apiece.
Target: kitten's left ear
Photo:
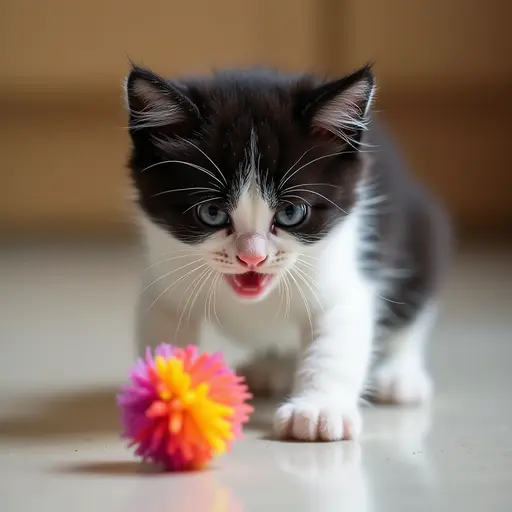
(155, 104)
(341, 107)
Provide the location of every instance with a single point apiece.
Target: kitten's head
(253, 169)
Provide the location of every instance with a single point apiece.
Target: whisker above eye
(310, 185)
(301, 199)
(203, 201)
(283, 182)
(290, 169)
(320, 195)
(190, 164)
(187, 189)
(212, 162)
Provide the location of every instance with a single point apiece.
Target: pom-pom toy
(182, 408)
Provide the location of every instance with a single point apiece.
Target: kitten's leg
(157, 323)
(331, 374)
(269, 374)
(400, 376)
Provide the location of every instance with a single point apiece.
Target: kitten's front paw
(317, 419)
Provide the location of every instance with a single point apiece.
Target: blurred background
(444, 69)
(70, 268)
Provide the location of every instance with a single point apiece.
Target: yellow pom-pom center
(190, 408)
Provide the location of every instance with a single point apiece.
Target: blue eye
(291, 215)
(212, 215)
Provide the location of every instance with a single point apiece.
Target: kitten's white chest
(270, 322)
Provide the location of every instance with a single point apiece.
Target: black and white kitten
(274, 207)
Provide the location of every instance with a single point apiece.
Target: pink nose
(251, 260)
(251, 249)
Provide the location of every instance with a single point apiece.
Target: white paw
(405, 385)
(269, 375)
(317, 419)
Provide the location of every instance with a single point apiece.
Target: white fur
(333, 364)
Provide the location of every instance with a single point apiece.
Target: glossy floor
(65, 348)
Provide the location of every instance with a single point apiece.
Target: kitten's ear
(341, 107)
(156, 105)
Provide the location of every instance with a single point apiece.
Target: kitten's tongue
(250, 284)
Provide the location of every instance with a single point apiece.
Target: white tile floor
(65, 326)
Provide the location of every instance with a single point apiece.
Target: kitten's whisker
(301, 199)
(290, 169)
(168, 253)
(308, 163)
(210, 298)
(304, 298)
(291, 188)
(204, 281)
(200, 189)
(303, 275)
(306, 264)
(173, 284)
(391, 300)
(199, 203)
(190, 164)
(288, 296)
(280, 292)
(193, 284)
(207, 300)
(161, 262)
(217, 281)
(197, 280)
(207, 306)
(320, 195)
(211, 161)
(170, 273)
(305, 255)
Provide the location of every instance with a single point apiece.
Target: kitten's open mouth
(250, 284)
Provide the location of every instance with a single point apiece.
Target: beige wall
(444, 68)
(434, 43)
(86, 44)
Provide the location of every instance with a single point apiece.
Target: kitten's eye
(212, 215)
(291, 215)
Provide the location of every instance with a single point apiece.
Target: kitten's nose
(251, 260)
(251, 249)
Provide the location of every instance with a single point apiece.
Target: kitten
(275, 208)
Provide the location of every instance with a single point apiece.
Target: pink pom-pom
(182, 408)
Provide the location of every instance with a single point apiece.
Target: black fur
(219, 116)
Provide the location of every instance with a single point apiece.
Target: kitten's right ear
(156, 105)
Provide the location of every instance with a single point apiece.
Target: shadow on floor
(79, 413)
(87, 413)
(121, 468)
